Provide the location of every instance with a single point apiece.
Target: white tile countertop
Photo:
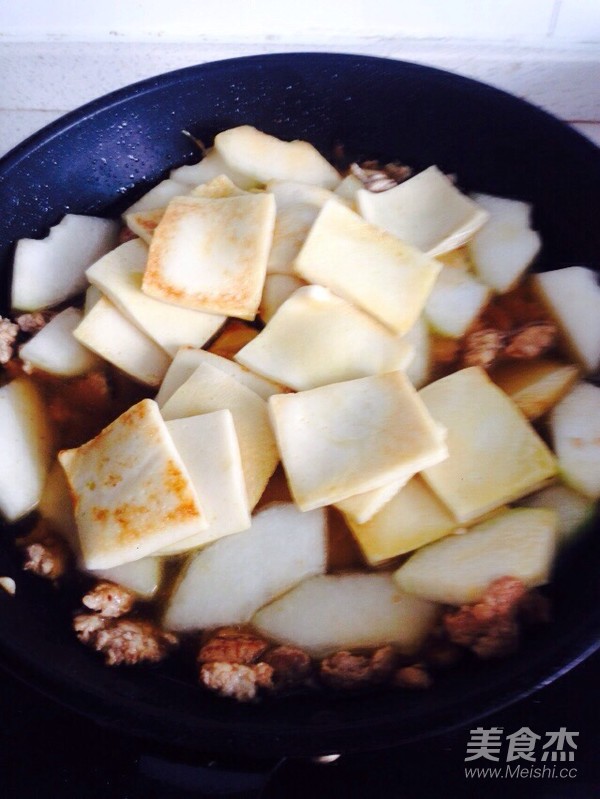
(54, 56)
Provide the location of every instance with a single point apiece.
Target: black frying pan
(98, 159)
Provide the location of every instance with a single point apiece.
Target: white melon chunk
(157, 197)
(209, 389)
(119, 275)
(140, 576)
(362, 507)
(209, 449)
(276, 290)
(572, 296)
(575, 430)
(332, 612)
(427, 211)
(495, 455)
(418, 370)
(535, 386)
(188, 359)
(144, 223)
(211, 166)
(317, 338)
(367, 266)
(56, 506)
(347, 438)
(413, 517)
(211, 255)
(263, 158)
(228, 581)
(456, 300)
(54, 349)
(518, 543)
(26, 449)
(109, 334)
(48, 271)
(506, 245)
(131, 491)
(572, 509)
(298, 205)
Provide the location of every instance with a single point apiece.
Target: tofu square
(119, 276)
(346, 438)
(317, 338)
(210, 451)
(367, 266)
(211, 389)
(211, 254)
(495, 454)
(131, 491)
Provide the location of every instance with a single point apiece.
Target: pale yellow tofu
(108, 333)
(131, 492)
(188, 359)
(119, 276)
(317, 338)
(218, 188)
(210, 389)
(211, 255)
(412, 518)
(276, 291)
(535, 386)
(495, 455)
(209, 448)
(144, 223)
(427, 211)
(261, 157)
(347, 438)
(517, 543)
(362, 507)
(367, 266)
(298, 205)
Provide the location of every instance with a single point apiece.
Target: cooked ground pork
(124, 641)
(236, 680)
(109, 599)
(347, 670)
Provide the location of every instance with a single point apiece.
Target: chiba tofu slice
(119, 275)
(144, 223)
(108, 333)
(495, 455)
(131, 491)
(367, 266)
(262, 158)
(362, 507)
(188, 359)
(210, 389)
(298, 205)
(217, 188)
(427, 211)
(347, 438)
(210, 451)
(211, 255)
(317, 338)
(413, 517)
